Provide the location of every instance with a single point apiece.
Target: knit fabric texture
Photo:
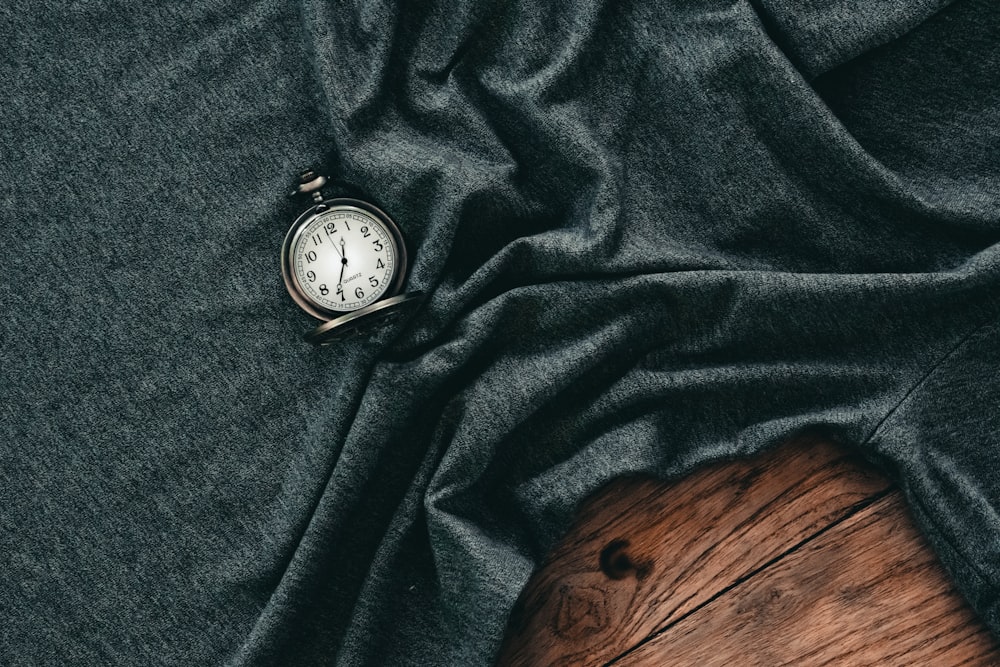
(652, 235)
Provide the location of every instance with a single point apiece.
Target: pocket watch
(344, 262)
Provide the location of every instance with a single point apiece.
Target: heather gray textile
(652, 235)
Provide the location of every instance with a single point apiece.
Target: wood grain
(802, 556)
(866, 592)
(644, 553)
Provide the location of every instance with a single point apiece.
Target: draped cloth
(651, 234)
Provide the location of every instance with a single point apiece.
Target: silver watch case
(296, 291)
(338, 325)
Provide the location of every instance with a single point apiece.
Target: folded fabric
(651, 235)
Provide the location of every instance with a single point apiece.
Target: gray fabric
(653, 235)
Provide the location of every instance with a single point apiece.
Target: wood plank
(867, 592)
(644, 553)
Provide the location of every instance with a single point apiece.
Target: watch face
(341, 259)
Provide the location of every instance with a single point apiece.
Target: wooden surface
(802, 556)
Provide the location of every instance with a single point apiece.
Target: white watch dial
(344, 259)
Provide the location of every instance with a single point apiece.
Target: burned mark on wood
(616, 562)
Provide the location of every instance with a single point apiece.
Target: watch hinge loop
(310, 183)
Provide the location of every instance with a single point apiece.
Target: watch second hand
(343, 263)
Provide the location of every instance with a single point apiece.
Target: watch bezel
(295, 289)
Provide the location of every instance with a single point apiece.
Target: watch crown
(309, 183)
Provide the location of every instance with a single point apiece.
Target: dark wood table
(804, 555)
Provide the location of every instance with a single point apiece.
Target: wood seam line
(556, 554)
(788, 495)
(858, 507)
